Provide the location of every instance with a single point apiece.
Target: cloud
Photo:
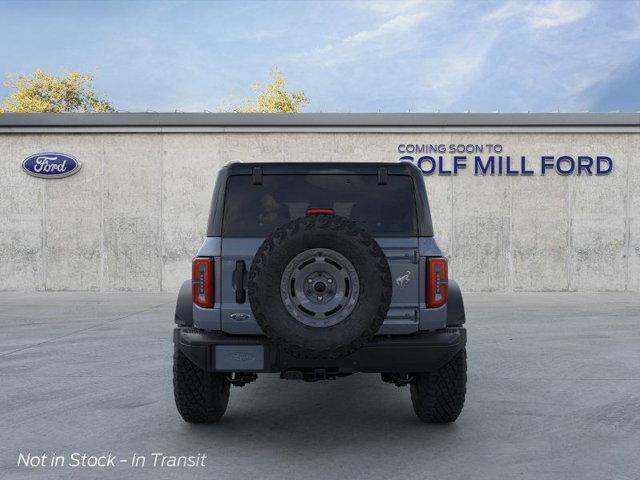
(566, 69)
(512, 55)
(632, 34)
(388, 8)
(541, 15)
(391, 37)
(453, 71)
(556, 13)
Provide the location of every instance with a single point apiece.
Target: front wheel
(201, 397)
(438, 396)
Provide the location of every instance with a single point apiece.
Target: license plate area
(239, 358)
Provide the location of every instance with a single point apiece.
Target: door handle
(238, 281)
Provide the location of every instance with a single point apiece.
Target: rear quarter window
(256, 210)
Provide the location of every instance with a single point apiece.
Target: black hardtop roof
(337, 168)
(214, 227)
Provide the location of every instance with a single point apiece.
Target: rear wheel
(438, 397)
(201, 397)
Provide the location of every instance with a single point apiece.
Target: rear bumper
(421, 352)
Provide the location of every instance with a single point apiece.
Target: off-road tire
(438, 397)
(355, 244)
(201, 397)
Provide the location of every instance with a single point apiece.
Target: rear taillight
(202, 282)
(437, 282)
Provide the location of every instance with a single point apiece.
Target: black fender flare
(184, 305)
(455, 306)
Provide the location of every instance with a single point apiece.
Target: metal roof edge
(293, 120)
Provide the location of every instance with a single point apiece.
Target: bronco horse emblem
(403, 280)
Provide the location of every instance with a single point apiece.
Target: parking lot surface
(553, 393)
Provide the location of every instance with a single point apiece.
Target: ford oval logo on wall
(51, 165)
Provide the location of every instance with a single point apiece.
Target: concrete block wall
(134, 215)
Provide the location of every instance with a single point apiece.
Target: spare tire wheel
(320, 286)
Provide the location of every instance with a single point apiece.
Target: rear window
(256, 210)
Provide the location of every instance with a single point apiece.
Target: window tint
(256, 210)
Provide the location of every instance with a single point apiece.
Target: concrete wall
(134, 215)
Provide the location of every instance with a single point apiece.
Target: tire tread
(201, 397)
(438, 397)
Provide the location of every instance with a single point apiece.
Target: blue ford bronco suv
(318, 271)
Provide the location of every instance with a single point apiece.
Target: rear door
(386, 210)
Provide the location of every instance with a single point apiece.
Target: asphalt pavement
(553, 393)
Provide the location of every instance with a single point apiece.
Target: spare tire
(320, 286)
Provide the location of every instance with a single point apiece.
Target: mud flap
(184, 305)
(455, 306)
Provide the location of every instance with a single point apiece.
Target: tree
(42, 92)
(274, 98)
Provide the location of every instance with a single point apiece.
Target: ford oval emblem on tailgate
(51, 165)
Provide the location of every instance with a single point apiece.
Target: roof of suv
(364, 168)
(257, 169)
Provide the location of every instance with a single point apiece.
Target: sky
(347, 56)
